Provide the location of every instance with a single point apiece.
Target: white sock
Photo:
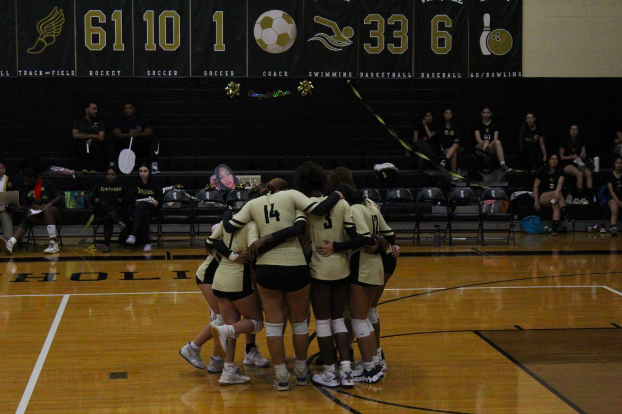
(375, 359)
(329, 368)
(502, 163)
(217, 358)
(345, 366)
(52, 231)
(368, 366)
(195, 346)
(229, 366)
(379, 351)
(280, 369)
(13, 240)
(301, 365)
(230, 331)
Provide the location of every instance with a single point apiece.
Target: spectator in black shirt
(145, 144)
(425, 138)
(450, 141)
(614, 185)
(42, 201)
(547, 192)
(573, 154)
(89, 140)
(145, 198)
(532, 142)
(487, 139)
(109, 198)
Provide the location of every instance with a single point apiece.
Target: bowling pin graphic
(484, 37)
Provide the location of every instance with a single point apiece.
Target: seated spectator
(89, 140)
(213, 180)
(487, 139)
(6, 219)
(226, 178)
(617, 148)
(532, 142)
(145, 197)
(340, 175)
(42, 201)
(573, 155)
(109, 198)
(547, 192)
(614, 185)
(425, 139)
(145, 145)
(450, 141)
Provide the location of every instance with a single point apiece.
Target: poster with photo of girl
(226, 178)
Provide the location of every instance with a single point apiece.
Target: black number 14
(273, 213)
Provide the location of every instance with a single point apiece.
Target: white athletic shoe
(576, 201)
(383, 361)
(254, 357)
(52, 248)
(216, 365)
(327, 379)
(233, 377)
(192, 356)
(281, 383)
(220, 334)
(147, 248)
(347, 380)
(6, 246)
(371, 376)
(302, 377)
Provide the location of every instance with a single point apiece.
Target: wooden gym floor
(534, 328)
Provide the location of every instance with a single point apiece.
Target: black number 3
(329, 222)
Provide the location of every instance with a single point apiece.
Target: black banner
(45, 38)
(385, 39)
(7, 38)
(275, 38)
(331, 41)
(442, 42)
(219, 38)
(161, 38)
(496, 33)
(104, 43)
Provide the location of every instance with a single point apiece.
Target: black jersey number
(374, 221)
(273, 213)
(329, 223)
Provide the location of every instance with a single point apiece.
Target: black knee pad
(27, 223)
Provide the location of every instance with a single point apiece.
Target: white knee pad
(360, 328)
(217, 320)
(372, 315)
(338, 326)
(346, 312)
(371, 327)
(301, 328)
(257, 326)
(322, 327)
(274, 329)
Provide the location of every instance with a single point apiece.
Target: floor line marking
(197, 292)
(612, 290)
(34, 377)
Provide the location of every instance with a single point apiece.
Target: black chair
(400, 206)
(237, 198)
(209, 209)
(373, 195)
(31, 235)
(464, 207)
(496, 209)
(432, 208)
(178, 209)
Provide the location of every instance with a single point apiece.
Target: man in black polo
(145, 144)
(89, 134)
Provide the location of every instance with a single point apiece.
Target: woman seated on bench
(547, 191)
(42, 201)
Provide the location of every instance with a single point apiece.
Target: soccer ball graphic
(275, 31)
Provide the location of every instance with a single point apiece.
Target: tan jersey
(329, 227)
(229, 275)
(370, 268)
(382, 227)
(210, 257)
(274, 212)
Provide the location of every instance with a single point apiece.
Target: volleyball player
(329, 283)
(547, 192)
(487, 138)
(282, 273)
(233, 288)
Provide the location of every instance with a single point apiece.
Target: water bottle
(437, 237)
(596, 164)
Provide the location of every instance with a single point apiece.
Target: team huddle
(283, 250)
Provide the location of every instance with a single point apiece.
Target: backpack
(602, 196)
(495, 206)
(532, 225)
(75, 200)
